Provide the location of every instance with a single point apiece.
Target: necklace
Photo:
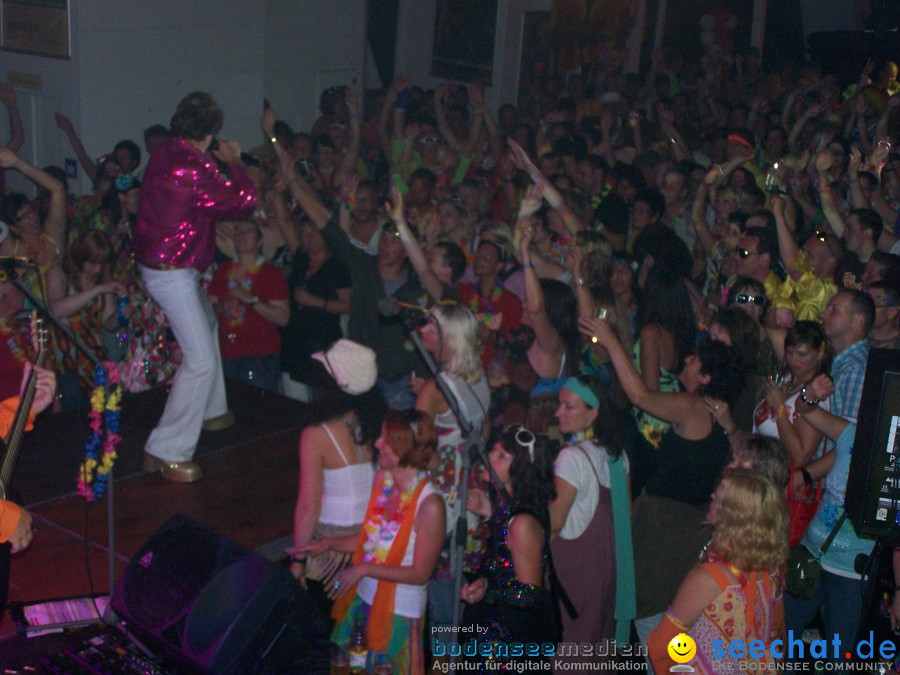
(381, 527)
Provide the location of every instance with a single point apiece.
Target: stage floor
(247, 492)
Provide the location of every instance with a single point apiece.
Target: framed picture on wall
(39, 27)
(464, 33)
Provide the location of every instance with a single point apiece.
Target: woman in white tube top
(336, 468)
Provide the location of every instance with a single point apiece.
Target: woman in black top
(320, 294)
(668, 536)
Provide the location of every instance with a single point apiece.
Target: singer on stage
(182, 196)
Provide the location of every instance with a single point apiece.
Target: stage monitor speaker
(872, 499)
(217, 607)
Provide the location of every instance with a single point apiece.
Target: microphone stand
(472, 446)
(44, 310)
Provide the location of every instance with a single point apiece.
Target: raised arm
(414, 252)
(440, 114)
(824, 161)
(583, 296)
(547, 190)
(787, 246)
(698, 209)
(677, 408)
(351, 154)
(88, 164)
(54, 225)
(310, 203)
(491, 124)
(545, 333)
(667, 124)
(16, 132)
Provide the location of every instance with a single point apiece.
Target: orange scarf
(381, 616)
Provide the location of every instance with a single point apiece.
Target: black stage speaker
(872, 499)
(217, 607)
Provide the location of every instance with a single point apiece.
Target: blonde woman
(739, 595)
(449, 336)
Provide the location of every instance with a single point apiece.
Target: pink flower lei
(380, 532)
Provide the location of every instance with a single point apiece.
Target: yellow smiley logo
(682, 648)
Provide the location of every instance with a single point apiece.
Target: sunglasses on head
(746, 299)
(524, 437)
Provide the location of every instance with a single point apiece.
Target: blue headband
(582, 391)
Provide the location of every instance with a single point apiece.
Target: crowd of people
(650, 296)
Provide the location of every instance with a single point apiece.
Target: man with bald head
(810, 283)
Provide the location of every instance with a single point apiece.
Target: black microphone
(391, 307)
(16, 261)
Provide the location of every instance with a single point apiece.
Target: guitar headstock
(39, 337)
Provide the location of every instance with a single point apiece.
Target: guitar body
(12, 444)
(13, 441)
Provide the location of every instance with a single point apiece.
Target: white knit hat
(351, 364)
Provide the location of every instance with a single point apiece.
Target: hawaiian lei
(380, 533)
(105, 409)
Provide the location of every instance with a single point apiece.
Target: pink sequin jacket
(182, 196)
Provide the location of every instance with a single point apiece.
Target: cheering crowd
(651, 295)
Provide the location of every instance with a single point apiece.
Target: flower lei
(379, 532)
(475, 302)
(244, 280)
(105, 408)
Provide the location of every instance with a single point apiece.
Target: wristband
(806, 400)
(807, 478)
(528, 266)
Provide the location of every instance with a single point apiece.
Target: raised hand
(228, 152)
(267, 122)
(880, 152)
(525, 232)
(598, 330)
(350, 99)
(63, 122)
(8, 158)
(575, 261)
(666, 116)
(854, 161)
(7, 95)
(394, 207)
(778, 204)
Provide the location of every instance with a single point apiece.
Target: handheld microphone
(391, 307)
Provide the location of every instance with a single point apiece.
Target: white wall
(133, 60)
(309, 46)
